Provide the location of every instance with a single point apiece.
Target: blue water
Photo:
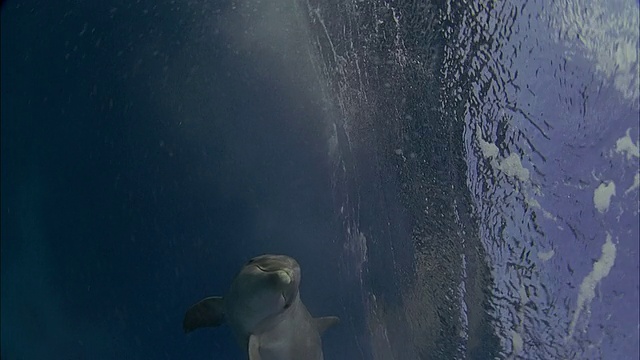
(127, 194)
(433, 167)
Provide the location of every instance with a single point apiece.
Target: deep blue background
(141, 166)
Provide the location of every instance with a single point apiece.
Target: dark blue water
(141, 166)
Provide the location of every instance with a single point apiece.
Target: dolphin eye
(251, 261)
(287, 305)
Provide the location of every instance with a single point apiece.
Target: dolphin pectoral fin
(254, 348)
(208, 312)
(326, 322)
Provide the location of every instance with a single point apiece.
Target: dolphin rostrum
(264, 310)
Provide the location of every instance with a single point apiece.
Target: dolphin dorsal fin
(326, 322)
(208, 312)
(254, 348)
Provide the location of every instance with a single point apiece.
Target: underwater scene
(314, 179)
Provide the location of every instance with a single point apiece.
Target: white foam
(512, 166)
(626, 146)
(546, 255)
(600, 270)
(606, 33)
(636, 184)
(602, 196)
(489, 150)
(516, 334)
(535, 204)
(516, 340)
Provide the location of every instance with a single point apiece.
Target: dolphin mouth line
(287, 302)
(261, 268)
(286, 270)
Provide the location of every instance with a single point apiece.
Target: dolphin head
(265, 313)
(266, 286)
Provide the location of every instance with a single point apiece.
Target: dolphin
(265, 313)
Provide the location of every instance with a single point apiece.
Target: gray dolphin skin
(264, 310)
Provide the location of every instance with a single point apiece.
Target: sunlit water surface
(542, 99)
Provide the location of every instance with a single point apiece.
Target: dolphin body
(264, 310)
